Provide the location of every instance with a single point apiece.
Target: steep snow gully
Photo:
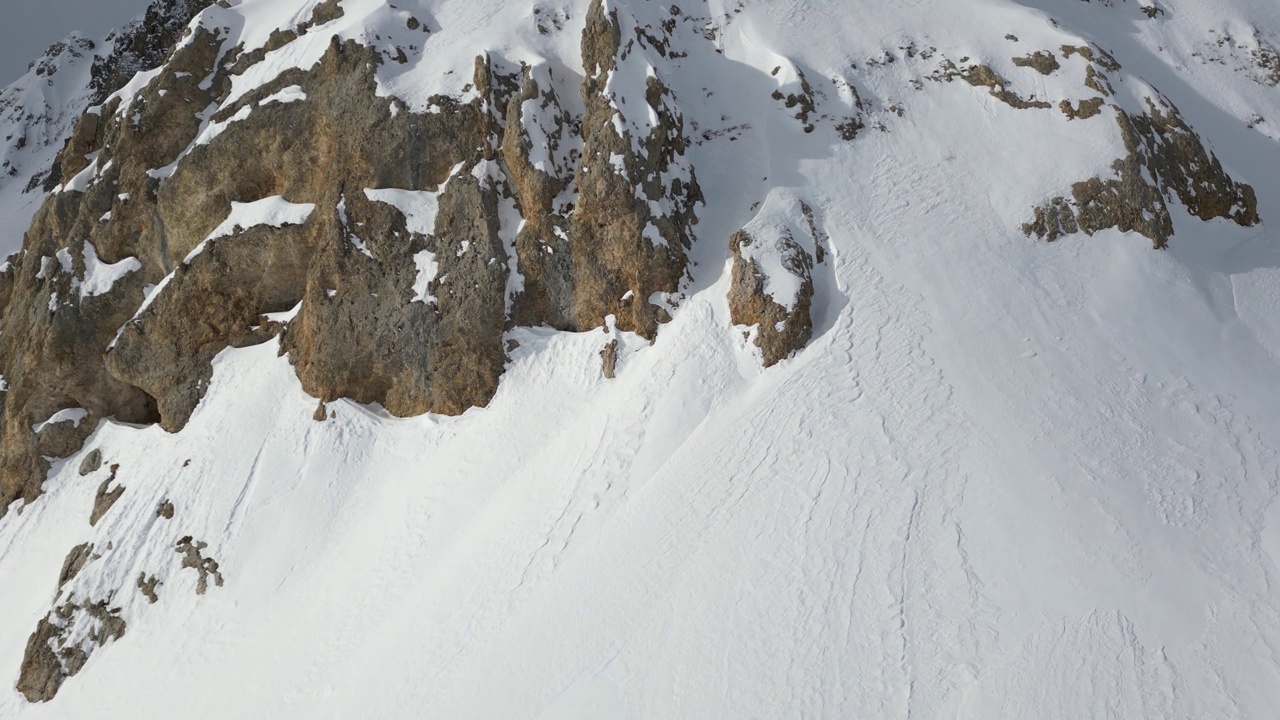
(825, 365)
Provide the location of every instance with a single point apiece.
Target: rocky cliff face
(404, 275)
(214, 202)
(431, 231)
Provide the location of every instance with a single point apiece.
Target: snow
(83, 179)
(273, 211)
(213, 129)
(1007, 478)
(539, 136)
(100, 277)
(425, 261)
(285, 316)
(291, 94)
(71, 415)
(419, 207)
(131, 89)
(778, 227)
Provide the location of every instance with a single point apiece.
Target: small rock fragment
(1042, 62)
(91, 462)
(147, 585)
(194, 559)
(75, 561)
(106, 497)
(609, 356)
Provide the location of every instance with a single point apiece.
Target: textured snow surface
(1007, 479)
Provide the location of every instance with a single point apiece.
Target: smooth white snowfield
(1007, 479)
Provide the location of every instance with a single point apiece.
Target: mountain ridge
(751, 258)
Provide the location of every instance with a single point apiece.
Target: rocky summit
(624, 358)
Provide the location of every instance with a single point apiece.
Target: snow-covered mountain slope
(31, 27)
(857, 441)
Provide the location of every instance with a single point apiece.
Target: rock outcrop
(540, 148)
(62, 644)
(633, 159)
(427, 234)
(1166, 160)
(389, 242)
(772, 287)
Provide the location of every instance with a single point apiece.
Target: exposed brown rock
(985, 76)
(617, 266)
(802, 102)
(413, 357)
(779, 331)
(1096, 81)
(1086, 109)
(41, 674)
(1266, 58)
(1042, 62)
(592, 243)
(56, 334)
(409, 356)
(1092, 54)
(206, 306)
(92, 461)
(542, 246)
(1162, 147)
(49, 660)
(1052, 220)
(165, 510)
(326, 151)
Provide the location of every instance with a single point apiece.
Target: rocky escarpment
(1166, 160)
(426, 235)
(213, 204)
(610, 238)
(53, 653)
(72, 630)
(388, 242)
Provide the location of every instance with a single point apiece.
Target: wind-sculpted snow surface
(582, 358)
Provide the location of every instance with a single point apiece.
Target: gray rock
(106, 497)
(75, 561)
(91, 462)
(609, 359)
(193, 557)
